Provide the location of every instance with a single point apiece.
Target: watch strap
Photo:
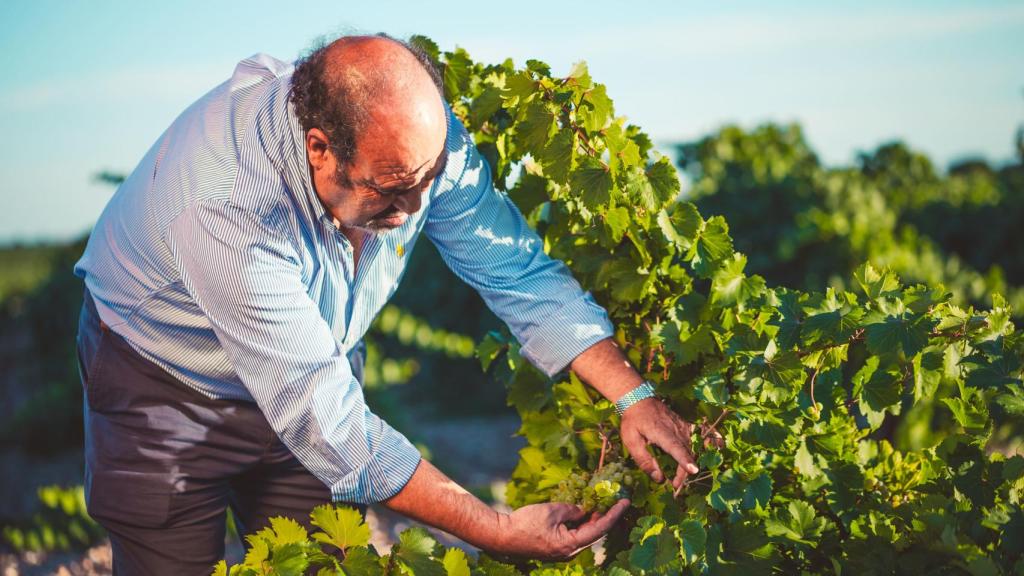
(644, 390)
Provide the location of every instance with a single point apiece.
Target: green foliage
(448, 316)
(412, 332)
(857, 421)
(61, 524)
(44, 411)
(25, 268)
(806, 225)
(342, 546)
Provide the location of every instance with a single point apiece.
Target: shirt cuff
(578, 325)
(384, 475)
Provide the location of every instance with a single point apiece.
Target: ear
(318, 148)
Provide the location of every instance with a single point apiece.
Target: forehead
(399, 149)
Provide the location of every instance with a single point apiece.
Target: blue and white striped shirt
(216, 260)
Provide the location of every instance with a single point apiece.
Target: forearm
(604, 367)
(434, 499)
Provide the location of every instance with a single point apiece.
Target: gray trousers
(163, 461)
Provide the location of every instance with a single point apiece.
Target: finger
(674, 445)
(637, 447)
(588, 533)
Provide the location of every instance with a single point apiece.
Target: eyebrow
(439, 164)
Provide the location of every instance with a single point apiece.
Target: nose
(410, 201)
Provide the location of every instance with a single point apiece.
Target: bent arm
(484, 239)
(537, 531)
(435, 499)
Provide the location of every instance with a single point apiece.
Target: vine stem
(650, 353)
(580, 133)
(707, 430)
(696, 480)
(604, 449)
(719, 419)
(856, 336)
(814, 404)
(661, 350)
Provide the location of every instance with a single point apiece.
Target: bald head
(361, 83)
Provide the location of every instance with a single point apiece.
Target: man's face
(383, 184)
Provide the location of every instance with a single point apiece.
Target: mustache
(386, 213)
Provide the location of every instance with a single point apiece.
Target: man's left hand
(651, 422)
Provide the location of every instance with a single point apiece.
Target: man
(231, 278)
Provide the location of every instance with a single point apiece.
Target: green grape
(596, 491)
(571, 490)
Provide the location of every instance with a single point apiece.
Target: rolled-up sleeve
(485, 240)
(245, 276)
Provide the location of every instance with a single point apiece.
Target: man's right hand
(543, 531)
(552, 531)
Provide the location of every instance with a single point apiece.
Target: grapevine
(852, 419)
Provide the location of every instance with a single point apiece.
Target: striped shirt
(216, 260)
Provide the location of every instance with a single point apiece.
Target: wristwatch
(644, 390)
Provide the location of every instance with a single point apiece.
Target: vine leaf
(798, 522)
(654, 546)
(663, 180)
(537, 126)
(457, 69)
(996, 373)
(289, 559)
(892, 333)
(712, 247)
(593, 182)
(682, 226)
(519, 87)
(694, 539)
(618, 221)
(972, 416)
(596, 111)
(712, 389)
(414, 550)
(731, 287)
(360, 561)
(342, 527)
(757, 492)
(874, 283)
(455, 562)
(834, 326)
(485, 105)
(559, 157)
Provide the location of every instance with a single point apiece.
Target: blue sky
(88, 86)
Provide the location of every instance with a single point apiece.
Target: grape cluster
(595, 491)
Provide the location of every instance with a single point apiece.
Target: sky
(89, 86)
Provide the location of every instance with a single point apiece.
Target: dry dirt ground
(478, 453)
